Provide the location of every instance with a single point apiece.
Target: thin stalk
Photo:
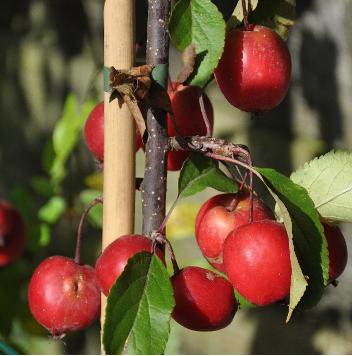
(98, 200)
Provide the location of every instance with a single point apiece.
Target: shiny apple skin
(215, 221)
(188, 117)
(94, 133)
(204, 300)
(64, 296)
(255, 69)
(113, 260)
(257, 261)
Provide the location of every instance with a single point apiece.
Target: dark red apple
(94, 133)
(255, 69)
(12, 234)
(115, 256)
(257, 261)
(188, 117)
(337, 251)
(204, 300)
(64, 296)
(219, 216)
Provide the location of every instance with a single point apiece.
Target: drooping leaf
(199, 173)
(308, 235)
(96, 213)
(66, 134)
(139, 308)
(328, 181)
(52, 210)
(201, 23)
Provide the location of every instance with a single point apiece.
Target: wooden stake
(119, 150)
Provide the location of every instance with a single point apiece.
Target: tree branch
(154, 183)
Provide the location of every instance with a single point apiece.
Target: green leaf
(43, 186)
(328, 181)
(66, 134)
(139, 308)
(199, 173)
(180, 25)
(6, 349)
(52, 210)
(96, 213)
(45, 234)
(308, 236)
(201, 23)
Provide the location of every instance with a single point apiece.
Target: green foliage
(199, 173)
(139, 308)
(200, 23)
(52, 210)
(308, 236)
(66, 134)
(327, 180)
(6, 349)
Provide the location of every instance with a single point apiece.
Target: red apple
(204, 300)
(115, 256)
(257, 261)
(63, 296)
(12, 234)
(188, 117)
(337, 251)
(219, 216)
(255, 69)
(94, 133)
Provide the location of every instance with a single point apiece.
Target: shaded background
(52, 48)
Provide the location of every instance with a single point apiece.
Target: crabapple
(337, 251)
(219, 216)
(257, 261)
(94, 133)
(115, 256)
(12, 233)
(204, 300)
(188, 117)
(64, 296)
(255, 69)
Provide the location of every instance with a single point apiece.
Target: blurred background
(50, 78)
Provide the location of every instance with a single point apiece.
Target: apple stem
(98, 200)
(159, 238)
(204, 113)
(245, 15)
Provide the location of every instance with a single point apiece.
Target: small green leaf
(96, 213)
(52, 210)
(43, 186)
(66, 134)
(308, 235)
(45, 234)
(199, 173)
(201, 23)
(328, 181)
(139, 308)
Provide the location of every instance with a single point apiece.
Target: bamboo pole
(119, 131)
